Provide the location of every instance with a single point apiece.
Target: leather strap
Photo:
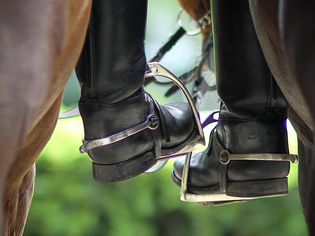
(151, 123)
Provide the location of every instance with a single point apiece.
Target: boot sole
(123, 170)
(135, 166)
(239, 191)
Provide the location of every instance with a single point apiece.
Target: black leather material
(240, 65)
(263, 135)
(113, 61)
(102, 120)
(253, 112)
(111, 70)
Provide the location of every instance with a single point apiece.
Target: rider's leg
(253, 112)
(111, 70)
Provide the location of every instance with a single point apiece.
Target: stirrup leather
(222, 196)
(152, 123)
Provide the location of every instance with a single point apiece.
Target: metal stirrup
(159, 70)
(225, 157)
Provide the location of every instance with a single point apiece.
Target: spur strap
(226, 157)
(151, 123)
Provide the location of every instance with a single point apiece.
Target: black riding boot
(252, 117)
(125, 129)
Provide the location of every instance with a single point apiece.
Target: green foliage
(68, 202)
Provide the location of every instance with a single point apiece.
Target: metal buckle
(151, 123)
(225, 158)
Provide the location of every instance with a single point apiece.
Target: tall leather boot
(252, 118)
(126, 130)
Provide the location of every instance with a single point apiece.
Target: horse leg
(266, 17)
(18, 204)
(40, 44)
(304, 172)
(31, 34)
(20, 180)
(297, 35)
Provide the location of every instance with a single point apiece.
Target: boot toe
(178, 168)
(202, 172)
(179, 121)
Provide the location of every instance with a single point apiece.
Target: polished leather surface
(111, 69)
(101, 120)
(179, 123)
(114, 50)
(253, 112)
(256, 136)
(240, 65)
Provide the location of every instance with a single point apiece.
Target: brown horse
(40, 45)
(286, 35)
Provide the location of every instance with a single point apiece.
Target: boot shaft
(113, 63)
(253, 111)
(244, 81)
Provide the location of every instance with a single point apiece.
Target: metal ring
(224, 157)
(153, 122)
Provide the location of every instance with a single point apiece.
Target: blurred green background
(68, 202)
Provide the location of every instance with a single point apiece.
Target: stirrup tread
(239, 191)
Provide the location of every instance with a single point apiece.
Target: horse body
(40, 47)
(265, 15)
(281, 28)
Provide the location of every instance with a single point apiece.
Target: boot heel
(123, 170)
(258, 188)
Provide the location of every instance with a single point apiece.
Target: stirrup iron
(158, 70)
(229, 194)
